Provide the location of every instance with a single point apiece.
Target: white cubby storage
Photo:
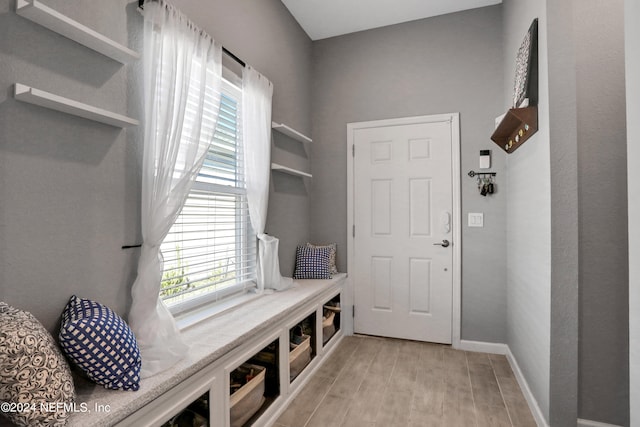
(258, 394)
(331, 312)
(307, 324)
(219, 346)
(300, 355)
(245, 402)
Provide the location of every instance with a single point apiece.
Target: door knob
(445, 243)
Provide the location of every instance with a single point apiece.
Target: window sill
(193, 317)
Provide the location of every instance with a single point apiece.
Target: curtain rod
(234, 57)
(224, 49)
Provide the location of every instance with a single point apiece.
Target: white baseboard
(497, 348)
(526, 391)
(483, 347)
(589, 423)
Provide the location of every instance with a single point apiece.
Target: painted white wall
(632, 40)
(529, 215)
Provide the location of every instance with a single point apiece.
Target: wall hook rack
(486, 184)
(474, 173)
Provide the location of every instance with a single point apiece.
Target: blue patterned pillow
(101, 344)
(312, 263)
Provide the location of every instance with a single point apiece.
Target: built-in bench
(218, 346)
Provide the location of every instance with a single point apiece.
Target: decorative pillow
(33, 372)
(312, 263)
(100, 343)
(333, 248)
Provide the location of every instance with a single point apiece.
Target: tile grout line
(386, 386)
(396, 365)
(375, 422)
(504, 402)
(342, 420)
(473, 397)
(413, 391)
(415, 387)
(326, 393)
(335, 379)
(444, 381)
(319, 403)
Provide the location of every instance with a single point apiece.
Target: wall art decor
(525, 90)
(520, 122)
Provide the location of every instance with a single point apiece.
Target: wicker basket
(328, 327)
(249, 398)
(299, 356)
(187, 418)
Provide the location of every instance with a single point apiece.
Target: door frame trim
(454, 120)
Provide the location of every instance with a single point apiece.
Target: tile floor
(380, 382)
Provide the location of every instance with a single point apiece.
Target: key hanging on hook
(485, 187)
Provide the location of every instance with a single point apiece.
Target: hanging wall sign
(521, 121)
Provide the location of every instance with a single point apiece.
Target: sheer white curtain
(182, 71)
(257, 92)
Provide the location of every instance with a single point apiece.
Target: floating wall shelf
(290, 171)
(35, 11)
(292, 133)
(515, 128)
(55, 102)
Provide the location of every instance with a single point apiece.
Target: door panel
(381, 273)
(402, 196)
(420, 207)
(419, 285)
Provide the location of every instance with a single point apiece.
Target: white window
(210, 252)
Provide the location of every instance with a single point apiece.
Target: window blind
(210, 251)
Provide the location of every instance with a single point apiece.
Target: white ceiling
(328, 18)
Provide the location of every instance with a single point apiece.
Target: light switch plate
(476, 219)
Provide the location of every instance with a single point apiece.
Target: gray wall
(528, 214)
(564, 213)
(265, 35)
(602, 195)
(567, 270)
(450, 63)
(632, 55)
(70, 188)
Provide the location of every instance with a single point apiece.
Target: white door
(403, 234)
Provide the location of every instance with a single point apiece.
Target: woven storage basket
(328, 328)
(299, 356)
(249, 398)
